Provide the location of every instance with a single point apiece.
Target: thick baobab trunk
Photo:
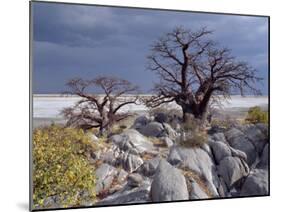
(198, 111)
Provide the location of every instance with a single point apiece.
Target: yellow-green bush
(61, 168)
(257, 115)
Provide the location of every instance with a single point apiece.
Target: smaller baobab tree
(194, 71)
(102, 110)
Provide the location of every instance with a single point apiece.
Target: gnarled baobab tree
(193, 71)
(99, 110)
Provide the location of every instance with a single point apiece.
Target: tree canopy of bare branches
(193, 71)
(99, 110)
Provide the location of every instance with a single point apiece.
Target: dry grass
(157, 142)
(194, 140)
(147, 156)
(191, 174)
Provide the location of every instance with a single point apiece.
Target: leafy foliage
(61, 168)
(257, 115)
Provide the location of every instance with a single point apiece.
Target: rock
(129, 195)
(135, 180)
(131, 162)
(263, 164)
(168, 184)
(206, 147)
(105, 175)
(196, 191)
(197, 160)
(94, 138)
(161, 117)
(122, 175)
(132, 141)
(111, 155)
(149, 167)
(264, 128)
(140, 122)
(50, 202)
(237, 139)
(95, 155)
(222, 189)
(170, 132)
(220, 150)
(238, 153)
(232, 169)
(218, 137)
(256, 183)
(256, 136)
(154, 129)
(167, 141)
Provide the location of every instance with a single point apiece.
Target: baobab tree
(103, 110)
(193, 71)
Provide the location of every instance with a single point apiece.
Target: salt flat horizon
(49, 106)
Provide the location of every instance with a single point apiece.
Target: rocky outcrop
(196, 191)
(233, 162)
(237, 139)
(197, 160)
(232, 169)
(256, 135)
(168, 184)
(130, 162)
(105, 175)
(132, 141)
(256, 183)
(129, 195)
(220, 150)
(149, 167)
(263, 164)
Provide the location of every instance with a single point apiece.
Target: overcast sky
(88, 41)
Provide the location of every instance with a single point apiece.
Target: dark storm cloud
(71, 40)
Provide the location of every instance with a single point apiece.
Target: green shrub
(257, 115)
(61, 168)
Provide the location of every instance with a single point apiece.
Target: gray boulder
(197, 160)
(105, 175)
(161, 117)
(122, 176)
(141, 121)
(168, 184)
(169, 131)
(238, 153)
(130, 162)
(154, 129)
(218, 137)
(232, 169)
(135, 180)
(149, 167)
(238, 140)
(111, 155)
(263, 164)
(256, 183)
(196, 191)
(220, 150)
(129, 195)
(256, 136)
(132, 141)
